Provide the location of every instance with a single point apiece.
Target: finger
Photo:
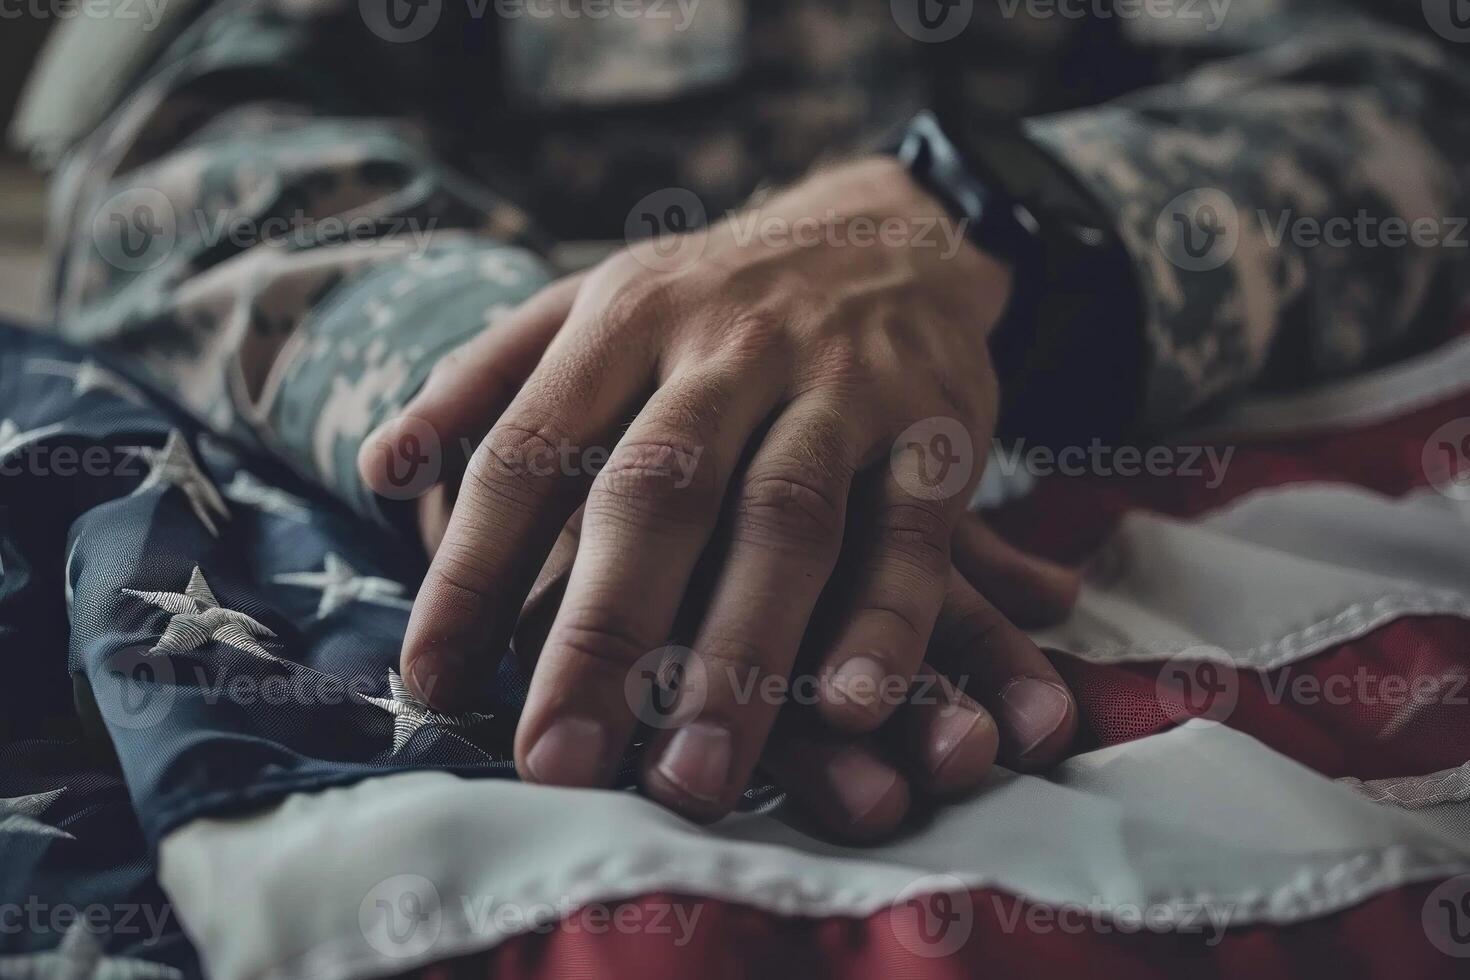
(900, 563)
(994, 662)
(647, 519)
(521, 485)
(473, 384)
(782, 536)
(539, 610)
(1030, 591)
(434, 508)
(948, 740)
(847, 786)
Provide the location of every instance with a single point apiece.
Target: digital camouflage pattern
(303, 203)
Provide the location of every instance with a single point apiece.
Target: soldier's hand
(943, 736)
(813, 397)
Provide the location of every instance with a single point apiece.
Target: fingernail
(697, 761)
(426, 678)
(951, 734)
(1034, 710)
(572, 752)
(421, 679)
(860, 680)
(860, 783)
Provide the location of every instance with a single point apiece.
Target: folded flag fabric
(211, 768)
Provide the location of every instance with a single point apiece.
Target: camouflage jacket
(301, 204)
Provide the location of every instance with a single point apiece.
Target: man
(774, 385)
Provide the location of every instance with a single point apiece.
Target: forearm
(1335, 168)
(285, 263)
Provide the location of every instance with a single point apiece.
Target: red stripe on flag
(1069, 517)
(1003, 937)
(1299, 710)
(1395, 702)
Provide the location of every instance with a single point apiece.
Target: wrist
(906, 212)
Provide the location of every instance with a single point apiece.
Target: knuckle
(837, 368)
(839, 365)
(918, 532)
(464, 582)
(638, 302)
(905, 607)
(969, 631)
(754, 335)
(601, 640)
(516, 462)
(792, 507)
(664, 479)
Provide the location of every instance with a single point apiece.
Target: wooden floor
(24, 269)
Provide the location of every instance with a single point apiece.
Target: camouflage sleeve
(262, 237)
(1292, 212)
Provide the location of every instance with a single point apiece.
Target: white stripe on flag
(1360, 400)
(1200, 828)
(1270, 579)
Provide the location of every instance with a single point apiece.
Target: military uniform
(299, 205)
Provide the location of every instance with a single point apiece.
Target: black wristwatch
(1073, 315)
(996, 223)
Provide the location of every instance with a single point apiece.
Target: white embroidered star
(22, 815)
(12, 438)
(80, 957)
(87, 376)
(340, 585)
(410, 714)
(174, 465)
(196, 618)
(246, 489)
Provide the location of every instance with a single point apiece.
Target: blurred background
(24, 272)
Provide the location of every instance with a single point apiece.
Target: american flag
(211, 769)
